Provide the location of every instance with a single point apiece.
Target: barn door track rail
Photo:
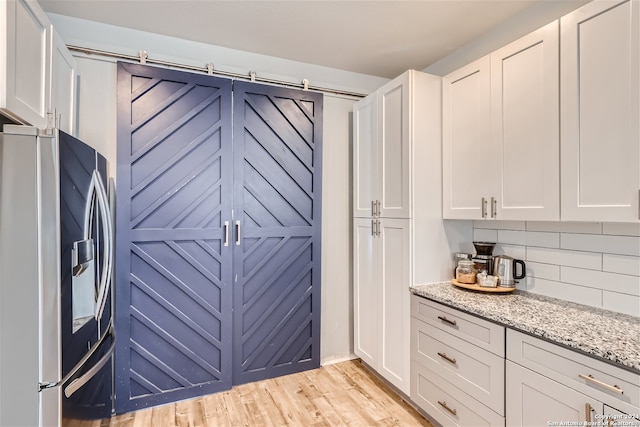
(143, 58)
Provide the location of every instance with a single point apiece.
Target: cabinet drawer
(451, 407)
(481, 333)
(476, 371)
(580, 372)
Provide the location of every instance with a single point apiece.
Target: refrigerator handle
(110, 332)
(76, 384)
(107, 259)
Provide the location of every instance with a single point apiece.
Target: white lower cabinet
(549, 383)
(381, 296)
(457, 363)
(447, 404)
(459, 376)
(535, 400)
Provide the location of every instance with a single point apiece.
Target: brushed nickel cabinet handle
(444, 319)
(378, 208)
(373, 208)
(447, 358)
(445, 406)
(378, 228)
(587, 412)
(494, 207)
(613, 388)
(483, 207)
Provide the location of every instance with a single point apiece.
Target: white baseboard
(337, 359)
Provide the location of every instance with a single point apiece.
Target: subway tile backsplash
(596, 264)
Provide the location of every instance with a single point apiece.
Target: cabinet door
(600, 150)
(365, 166)
(535, 400)
(366, 291)
(468, 159)
(394, 145)
(394, 245)
(525, 127)
(26, 94)
(63, 84)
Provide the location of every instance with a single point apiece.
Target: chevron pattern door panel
(277, 170)
(173, 270)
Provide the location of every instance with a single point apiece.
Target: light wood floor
(343, 394)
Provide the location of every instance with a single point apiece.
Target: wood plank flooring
(343, 394)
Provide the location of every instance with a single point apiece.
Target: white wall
(597, 264)
(532, 18)
(97, 126)
(336, 338)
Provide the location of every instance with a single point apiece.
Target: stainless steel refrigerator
(56, 259)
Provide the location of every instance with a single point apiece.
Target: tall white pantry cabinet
(399, 237)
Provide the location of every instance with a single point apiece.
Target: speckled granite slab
(603, 334)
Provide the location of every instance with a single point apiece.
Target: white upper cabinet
(600, 115)
(394, 145)
(468, 158)
(525, 127)
(63, 84)
(382, 152)
(500, 133)
(365, 158)
(37, 71)
(24, 61)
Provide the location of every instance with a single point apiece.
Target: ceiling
(379, 38)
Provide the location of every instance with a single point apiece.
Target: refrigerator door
(87, 338)
(50, 407)
(29, 285)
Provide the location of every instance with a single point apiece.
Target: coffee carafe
(483, 259)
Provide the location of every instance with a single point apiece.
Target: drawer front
(476, 371)
(612, 385)
(486, 335)
(451, 407)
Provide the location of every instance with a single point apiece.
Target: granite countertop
(604, 334)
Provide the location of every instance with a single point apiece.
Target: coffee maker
(483, 259)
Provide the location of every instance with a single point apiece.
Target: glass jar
(456, 259)
(465, 272)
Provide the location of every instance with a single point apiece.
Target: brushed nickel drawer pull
(587, 412)
(444, 319)
(445, 406)
(613, 388)
(447, 358)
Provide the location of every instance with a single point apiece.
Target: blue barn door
(173, 270)
(277, 170)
